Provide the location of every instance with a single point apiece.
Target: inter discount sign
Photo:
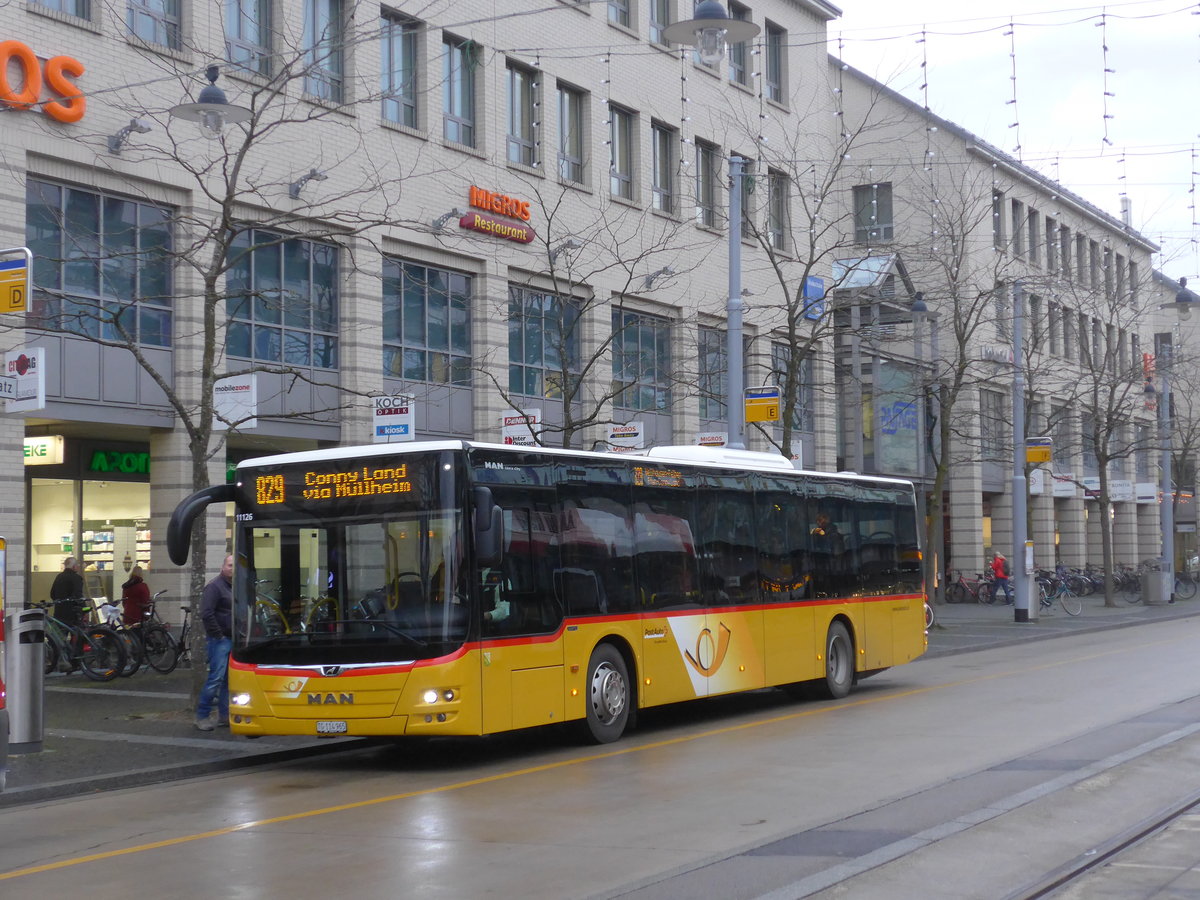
(393, 419)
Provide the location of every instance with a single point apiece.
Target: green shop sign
(130, 463)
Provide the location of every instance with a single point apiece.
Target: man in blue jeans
(216, 608)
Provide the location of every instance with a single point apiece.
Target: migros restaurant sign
(23, 77)
(490, 222)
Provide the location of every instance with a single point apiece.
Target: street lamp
(933, 509)
(212, 110)
(710, 32)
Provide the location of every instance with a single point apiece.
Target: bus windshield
(351, 562)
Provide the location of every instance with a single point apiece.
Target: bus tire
(608, 695)
(839, 663)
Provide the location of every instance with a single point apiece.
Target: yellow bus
(463, 588)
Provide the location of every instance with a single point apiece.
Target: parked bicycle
(1051, 587)
(96, 649)
(168, 651)
(961, 589)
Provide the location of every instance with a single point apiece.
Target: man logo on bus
(704, 650)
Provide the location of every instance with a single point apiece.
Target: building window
(776, 68)
(248, 34)
(1121, 278)
(1107, 267)
(747, 191)
(1068, 334)
(1051, 245)
(872, 213)
(1018, 228)
(282, 300)
(80, 8)
(101, 265)
(998, 238)
(522, 122)
(1035, 236)
(398, 50)
(1081, 259)
(804, 418)
(1141, 457)
(779, 195)
(426, 323)
(1134, 284)
(618, 12)
(458, 90)
(739, 54)
(155, 21)
(1053, 314)
(641, 361)
(714, 361)
(620, 142)
(323, 49)
(543, 343)
(1093, 265)
(660, 18)
(707, 173)
(991, 425)
(570, 134)
(1037, 326)
(666, 140)
(1064, 251)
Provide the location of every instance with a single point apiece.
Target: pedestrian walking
(216, 609)
(1000, 574)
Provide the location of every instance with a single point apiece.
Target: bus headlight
(430, 696)
(239, 700)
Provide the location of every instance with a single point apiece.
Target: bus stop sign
(14, 279)
(762, 404)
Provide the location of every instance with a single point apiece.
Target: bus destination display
(310, 485)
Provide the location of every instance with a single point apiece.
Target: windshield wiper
(389, 626)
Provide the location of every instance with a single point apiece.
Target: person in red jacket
(1000, 573)
(135, 598)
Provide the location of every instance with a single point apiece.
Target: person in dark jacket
(67, 592)
(135, 598)
(216, 612)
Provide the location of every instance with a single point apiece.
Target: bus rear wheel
(608, 695)
(839, 663)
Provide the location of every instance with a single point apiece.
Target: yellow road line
(548, 767)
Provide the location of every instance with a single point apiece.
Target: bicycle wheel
(1070, 602)
(102, 654)
(1185, 587)
(133, 652)
(162, 653)
(987, 592)
(50, 654)
(956, 594)
(930, 619)
(269, 619)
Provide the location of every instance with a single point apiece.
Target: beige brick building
(357, 256)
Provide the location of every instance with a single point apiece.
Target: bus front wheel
(839, 663)
(608, 695)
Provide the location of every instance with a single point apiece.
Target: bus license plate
(331, 728)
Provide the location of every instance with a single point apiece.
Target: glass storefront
(95, 506)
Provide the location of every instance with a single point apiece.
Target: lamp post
(1023, 609)
(212, 111)
(710, 32)
(933, 508)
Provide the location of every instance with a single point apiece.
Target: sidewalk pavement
(139, 730)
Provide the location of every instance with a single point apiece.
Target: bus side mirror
(489, 528)
(179, 528)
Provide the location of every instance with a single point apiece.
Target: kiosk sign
(393, 419)
(14, 279)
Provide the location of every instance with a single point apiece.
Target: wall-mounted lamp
(135, 126)
(665, 271)
(296, 186)
(565, 246)
(440, 222)
(212, 110)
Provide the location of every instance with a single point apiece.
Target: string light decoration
(1108, 70)
(839, 111)
(1011, 34)
(685, 154)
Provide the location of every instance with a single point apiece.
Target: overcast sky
(1141, 140)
